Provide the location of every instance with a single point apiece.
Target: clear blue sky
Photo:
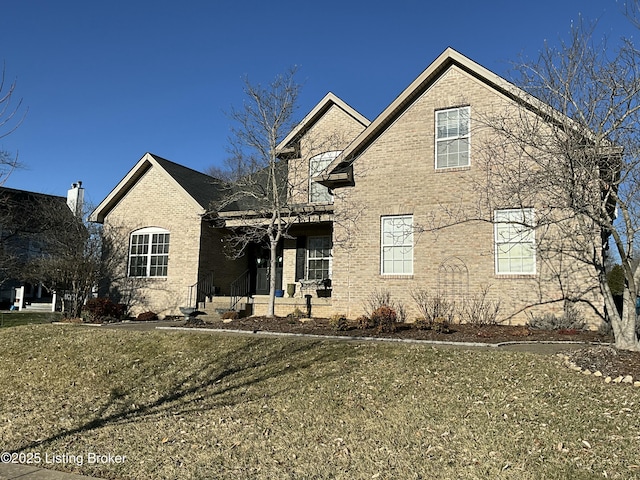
(107, 81)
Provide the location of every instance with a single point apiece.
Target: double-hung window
(319, 193)
(319, 258)
(397, 245)
(149, 253)
(452, 137)
(514, 241)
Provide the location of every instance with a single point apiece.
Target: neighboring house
(28, 220)
(380, 207)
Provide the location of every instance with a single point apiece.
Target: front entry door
(262, 273)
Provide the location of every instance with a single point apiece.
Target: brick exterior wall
(155, 201)
(396, 175)
(333, 131)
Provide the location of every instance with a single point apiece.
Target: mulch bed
(596, 356)
(458, 333)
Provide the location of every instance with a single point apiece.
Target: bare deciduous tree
(577, 154)
(76, 257)
(69, 260)
(258, 187)
(269, 186)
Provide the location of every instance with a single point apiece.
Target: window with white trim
(514, 241)
(396, 256)
(318, 258)
(149, 252)
(319, 193)
(452, 137)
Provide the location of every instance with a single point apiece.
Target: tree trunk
(624, 326)
(273, 262)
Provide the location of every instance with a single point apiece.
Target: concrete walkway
(14, 471)
(10, 471)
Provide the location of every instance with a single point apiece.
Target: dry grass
(199, 406)
(13, 319)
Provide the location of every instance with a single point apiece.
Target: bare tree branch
(576, 157)
(11, 118)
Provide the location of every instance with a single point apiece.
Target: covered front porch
(303, 268)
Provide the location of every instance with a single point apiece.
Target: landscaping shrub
(433, 306)
(570, 320)
(605, 329)
(338, 323)
(441, 325)
(375, 300)
(382, 298)
(147, 316)
(479, 309)
(102, 309)
(363, 322)
(401, 311)
(384, 319)
(297, 314)
(230, 315)
(422, 323)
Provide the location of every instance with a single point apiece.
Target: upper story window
(397, 245)
(319, 193)
(149, 252)
(514, 241)
(452, 137)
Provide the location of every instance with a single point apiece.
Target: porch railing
(198, 292)
(239, 289)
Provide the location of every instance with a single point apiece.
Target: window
(397, 245)
(319, 258)
(515, 241)
(452, 137)
(319, 193)
(149, 253)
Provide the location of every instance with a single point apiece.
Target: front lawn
(13, 318)
(198, 406)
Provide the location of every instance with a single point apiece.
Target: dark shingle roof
(203, 188)
(252, 194)
(31, 212)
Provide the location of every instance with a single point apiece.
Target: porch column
(19, 301)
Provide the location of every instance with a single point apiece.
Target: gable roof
(316, 114)
(198, 188)
(21, 196)
(338, 172)
(27, 211)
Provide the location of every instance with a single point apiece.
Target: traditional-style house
(28, 221)
(391, 205)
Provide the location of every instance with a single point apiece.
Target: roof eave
(314, 115)
(337, 179)
(444, 61)
(143, 165)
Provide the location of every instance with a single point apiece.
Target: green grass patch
(193, 406)
(14, 319)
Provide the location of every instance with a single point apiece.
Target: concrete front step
(39, 307)
(218, 305)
